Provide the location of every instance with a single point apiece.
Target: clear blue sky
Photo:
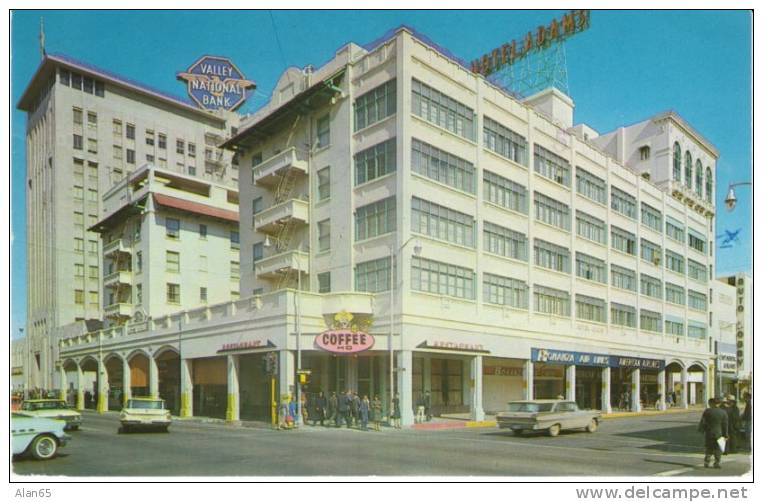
(627, 67)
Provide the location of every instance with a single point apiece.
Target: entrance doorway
(114, 372)
(168, 365)
(254, 388)
(549, 380)
(588, 387)
(210, 387)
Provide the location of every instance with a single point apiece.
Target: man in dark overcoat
(715, 425)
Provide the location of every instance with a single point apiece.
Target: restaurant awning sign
(215, 83)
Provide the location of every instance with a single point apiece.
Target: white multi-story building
(723, 325)
(492, 248)
(744, 325)
(87, 129)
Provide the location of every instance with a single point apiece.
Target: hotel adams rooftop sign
(215, 83)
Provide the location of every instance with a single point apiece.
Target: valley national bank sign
(215, 83)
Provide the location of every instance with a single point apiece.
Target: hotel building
(493, 247)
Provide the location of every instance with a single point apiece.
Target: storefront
(210, 387)
(502, 381)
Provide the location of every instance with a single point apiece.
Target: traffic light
(270, 364)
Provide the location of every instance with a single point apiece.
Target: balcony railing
(116, 246)
(268, 172)
(271, 220)
(118, 310)
(277, 265)
(119, 278)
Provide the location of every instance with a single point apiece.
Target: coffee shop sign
(215, 83)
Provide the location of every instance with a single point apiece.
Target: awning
(195, 207)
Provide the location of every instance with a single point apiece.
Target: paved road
(666, 445)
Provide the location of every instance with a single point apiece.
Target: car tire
(518, 432)
(554, 430)
(593, 426)
(166, 428)
(44, 447)
(124, 429)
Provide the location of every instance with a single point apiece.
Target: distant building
(723, 333)
(744, 328)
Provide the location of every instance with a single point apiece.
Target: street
(664, 445)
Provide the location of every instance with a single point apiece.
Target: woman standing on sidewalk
(363, 409)
(395, 412)
(376, 413)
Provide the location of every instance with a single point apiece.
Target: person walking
(343, 409)
(395, 412)
(428, 406)
(669, 399)
(332, 413)
(363, 408)
(747, 420)
(715, 425)
(292, 412)
(355, 409)
(319, 408)
(420, 409)
(376, 409)
(732, 412)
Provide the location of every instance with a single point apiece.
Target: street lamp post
(731, 199)
(393, 253)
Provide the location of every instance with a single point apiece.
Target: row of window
(690, 167)
(81, 83)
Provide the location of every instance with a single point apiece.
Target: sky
(628, 66)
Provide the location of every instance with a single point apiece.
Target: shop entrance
(620, 390)
(650, 397)
(210, 387)
(444, 377)
(114, 372)
(254, 388)
(90, 373)
(168, 365)
(139, 375)
(588, 387)
(549, 381)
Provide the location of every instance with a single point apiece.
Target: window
(674, 261)
(697, 241)
(87, 85)
(149, 158)
(173, 293)
(191, 149)
(622, 315)
(324, 183)
(130, 131)
(79, 296)
(92, 145)
(698, 173)
(504, 242)
(138, 262)
(444, 111)
(552, 166)
(100, 89)
(172, 228)
(163, 141)
(77, 116)
(149, 137)
(94, 303)
(623, 203)
(709, 185)
(441, 222)
(504, 141)
(551, 301)
(257, 205)
(202, 231)
(192, 170)
(591, 228)
(235, 270)
(676, 161)
(79, 245)
(504, 291)
(590, 268)
(644, 153)
(203, 295)
(77, 142)
(258, 251)
(675, 294)
(442, 278)
(180, 147)
(551, 256)
(553, 212)
(234, 295)
(203, 263)
(79, 270)
(79, 219)
(63, 77)
(504, 192)
(651, 252)
(651, 286)
(624, 241)
(674, 229)
(697, 301)
(324, 282)
(117, 152)
(623, 278)
(675, 328)
(78, 193)
(173, 261)
(590, 309)
(324, 132)
(697, 330)
(590, 186)
(234, 239)
(651, 321)
(651, 217)
(76, 81)
(375, 162)
(130, 156)
(93, 272)
(92, 121)
(375, 105)
(441, 166)
(324, 235)
(116, 128)
(687, 170)
(139, 294)
(373, 276)
(374, 219)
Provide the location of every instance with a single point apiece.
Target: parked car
(39, 437)
(52, 408)
(145, 412)
(550, 415)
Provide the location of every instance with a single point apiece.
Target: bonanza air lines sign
(215, 83)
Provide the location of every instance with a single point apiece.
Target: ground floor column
(661, 390)
(478, 413)
(80, 391)
(186, 388)
(636, 390)
(527, 379)
(62, 386)
(705, 386)
(606, 384)
(153, 378)
(103, 391)
(684, 401)
(232, 412)
(126, 382)
(383, 383)
(405, 386)
(570, 382)
(285, 374)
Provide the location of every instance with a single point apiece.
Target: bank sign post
(215, 83)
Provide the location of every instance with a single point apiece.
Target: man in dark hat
(715, 425)
(732, 412)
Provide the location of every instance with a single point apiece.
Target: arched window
(698, 179)
(687, 170)
(676, 161)
(709, 185)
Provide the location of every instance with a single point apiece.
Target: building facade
(744, 328)
(470, 245)
(723, 310)
(87, 129)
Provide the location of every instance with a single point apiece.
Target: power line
(278, 40)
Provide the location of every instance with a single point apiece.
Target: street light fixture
(731, 199)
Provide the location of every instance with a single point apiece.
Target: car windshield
(145, 405)
(530, 407)
(46, 405)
